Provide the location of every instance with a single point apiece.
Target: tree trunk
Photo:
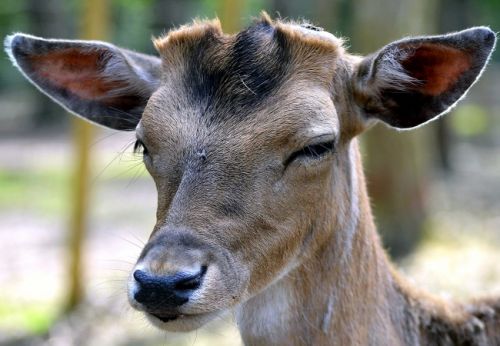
(95, 26)
(396, 163)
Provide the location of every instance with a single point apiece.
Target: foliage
(34, 317)
(470, 120)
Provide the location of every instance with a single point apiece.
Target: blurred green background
(65, 253)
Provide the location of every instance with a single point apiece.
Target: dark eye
(314, 151)
(140, 147)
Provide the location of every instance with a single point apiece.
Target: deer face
(228, 138)
(228, 203)
(248, 139)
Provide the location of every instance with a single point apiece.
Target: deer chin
(182, 322)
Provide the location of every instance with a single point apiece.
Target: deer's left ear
(412, 81)
(98, 81)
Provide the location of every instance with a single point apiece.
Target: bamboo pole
(95, 21)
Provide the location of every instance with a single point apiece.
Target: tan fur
(186, 34)
(302, 263)
(262, 203)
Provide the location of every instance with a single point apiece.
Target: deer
(262, 207)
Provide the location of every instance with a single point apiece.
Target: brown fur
(289, 244)
(333, 295)
(339, 291)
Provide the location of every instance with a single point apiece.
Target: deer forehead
(271, 81)
(292, 118)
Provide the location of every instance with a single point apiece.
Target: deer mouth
(181, 322)
(165, 318)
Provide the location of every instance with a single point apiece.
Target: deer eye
(313, 151)
(140, 147)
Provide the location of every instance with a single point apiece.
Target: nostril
(140, 276)
(191, 282)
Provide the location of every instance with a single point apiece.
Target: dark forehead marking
(253, 67)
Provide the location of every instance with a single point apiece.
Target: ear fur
(414, 80)
(100, 82)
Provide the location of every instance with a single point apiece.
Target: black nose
(166, 291)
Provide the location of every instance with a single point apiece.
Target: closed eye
(140, 147)
(314, 151)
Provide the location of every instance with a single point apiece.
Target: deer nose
(159, 292)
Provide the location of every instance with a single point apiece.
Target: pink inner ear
(437, 66)
(76, 71)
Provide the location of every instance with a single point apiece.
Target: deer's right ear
(412, 81)
(100, 82)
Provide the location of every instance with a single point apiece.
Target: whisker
(120, 153)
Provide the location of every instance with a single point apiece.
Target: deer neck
(339, 294)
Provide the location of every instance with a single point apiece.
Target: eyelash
(314, 151)
(140, 147)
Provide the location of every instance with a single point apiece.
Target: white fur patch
(350, 224)
(327, 318)
(353, 222)
(265, 315)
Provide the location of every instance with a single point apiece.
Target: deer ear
(412, 81)
(102, 83)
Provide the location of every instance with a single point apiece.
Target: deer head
(249, 139)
